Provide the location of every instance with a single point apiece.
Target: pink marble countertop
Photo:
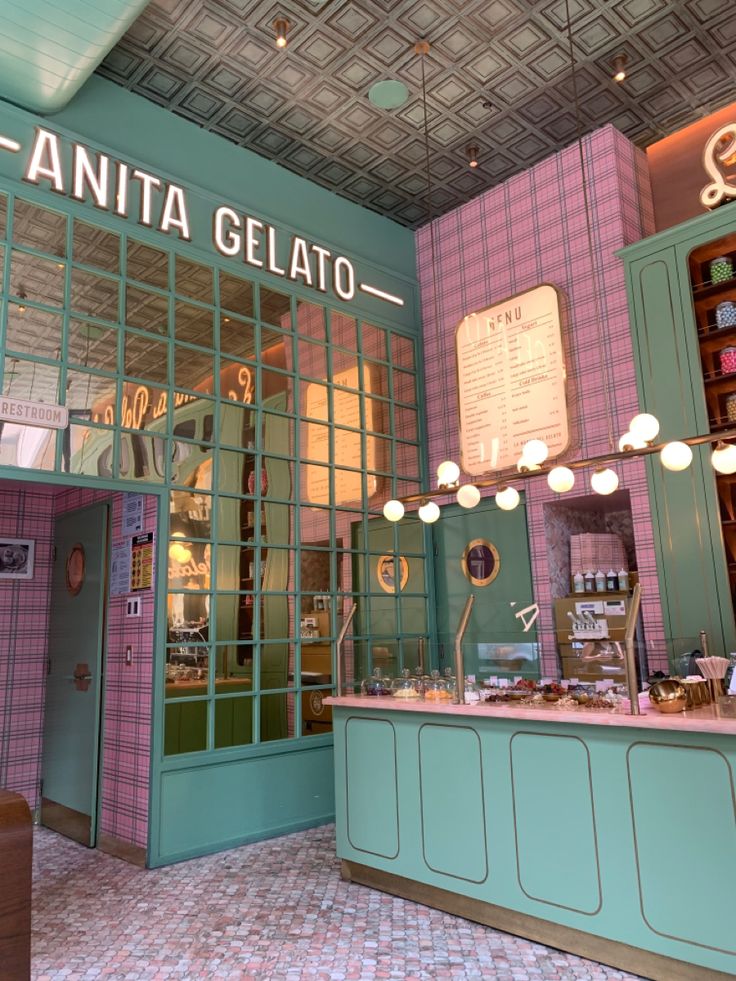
(697, 720)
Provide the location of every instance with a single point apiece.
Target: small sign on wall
(132, 513)
(141, 569)
(120, 568)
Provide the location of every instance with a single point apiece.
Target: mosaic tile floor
(273, 911)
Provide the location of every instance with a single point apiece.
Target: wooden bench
(16, 849)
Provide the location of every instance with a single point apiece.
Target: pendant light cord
(422, 49)
(589, 229)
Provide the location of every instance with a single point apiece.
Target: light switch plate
(133, 606)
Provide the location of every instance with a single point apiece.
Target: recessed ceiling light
(388, 94)
(619, 67)
(471, 152)
(281, 26)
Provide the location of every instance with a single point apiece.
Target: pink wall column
(530, 230)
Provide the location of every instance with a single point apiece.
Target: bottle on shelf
(611, 581)
(600, 582)
(623, 580)
(589, 582)
(578, 582)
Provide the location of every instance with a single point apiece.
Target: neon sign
(720, 150)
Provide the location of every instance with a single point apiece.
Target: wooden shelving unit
(718, 386)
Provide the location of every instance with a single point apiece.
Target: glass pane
(275, 308)
(194, 325)
(407, 460)
(38, 228)
(145, 357)
(190, 513)
(189, 563)
(277, 717)
(143, 407)
(191, 465)
(314, 525)
(346, 413)
(148, 311)
(314, 401)
(31, 380)
(344, 366)
(138, 458)
(94, 295)
(343, 330)
(404, 387)
(277, 390)
(237, 424)
(373, 340)
(34, 332)
(312, 359)
(194, 369)
(3, 215)
(148, 265)
(92, 345)
(405, 423)
(233, 716)
(310, 320)
(185, 723)
(91, 396)
(96, 247)
(236, 295)
(315, 484)
(236, 518)
(234, 567)
(27, 446)
(87, 450)
(194, 280)
(315, 442)
(402, 352)
(234, 660)
(375, 378)
(36, 279)
(237, 338)
(276, 479)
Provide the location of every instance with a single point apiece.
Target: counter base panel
(610, 952)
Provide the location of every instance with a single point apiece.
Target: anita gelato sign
(719, 157)
(132, 193)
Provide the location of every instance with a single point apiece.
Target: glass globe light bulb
(561, 479)
(535, 451)
(676, 456)
(526, 466)
(448, 473)
(629, 441)
(645, 426)
(468, 496)
(604, 481)
(507, 498)
(429, 512)
(393, 510)
(723, 458)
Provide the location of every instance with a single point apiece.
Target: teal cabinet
(667, 328)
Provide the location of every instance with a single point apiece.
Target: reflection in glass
(277, 390)
(237, 338)
(312, 359)
(373, 342)
(191, 464)
(406, 425)
(147, 265)
(233, 716)
(31, 380)
(343, 330)
(147, 311)
(87, 450)
(310, 320)
(236, 425)
(234, 660)
(92, 346)
(96, 247)
(195, 325)
(3, 215)
(276, 479)
(138, 458)
(402, 352)
(27, 446)
(377, 415)
(193, 280)
(235, 471)
(34, 332)
(404, 387)
(407, 460)
(143, 407)
(236, 520)
(194, 369)
(39, 228)
(35, 279)
(236, 295)
(275, 308)
(314, 401)
(94, 295)
(189, 563)
(145, 357)
(190, 513)
(315, 442)
(185, 723)
(91, 396)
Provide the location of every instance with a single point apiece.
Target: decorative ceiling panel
(498, 75)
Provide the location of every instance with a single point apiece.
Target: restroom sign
(43, 414)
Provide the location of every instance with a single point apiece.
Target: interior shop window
(238, 382)
(91, 397)
(407, 460)
(315, 484)
(191, 513)
(39, 228)
(96, 296)
(194, 280)
(310, 320)
(235, 469)
(373, 342)
(145, 357)
(92, 246)
(311, 359)
(236, 295)
(234, 659)
(233, 569)
(406, 423)
(194, 370)
(343, 330)
(314, 441)
(190, 563)
(137, 459)
(237, 338)
(185, 722)
(277, 390)
(3, 215)
(33, 331)
(404, 385)
(377, 453)
(344, 368)
(146, 310)
(233, 716)
(237, 422)
(377, 415)
(31, 380)
(275, 308)
(237, 520)
(314, 401)
(194, 325)
(402, 352)
(314, 523)
(147, 264)
(191, 464)
(92, 345)
(36, 280)
(374, 378)
(87, 450)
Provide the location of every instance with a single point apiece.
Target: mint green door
(486, 552)
(74, 681)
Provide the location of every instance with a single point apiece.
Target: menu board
(511, 380)
(346, 408)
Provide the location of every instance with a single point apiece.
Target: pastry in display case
(406, 686)
(437, 689)
(376, 684)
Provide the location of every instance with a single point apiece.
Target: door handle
(77, 677)
(81, 677)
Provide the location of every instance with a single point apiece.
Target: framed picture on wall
(16, 558)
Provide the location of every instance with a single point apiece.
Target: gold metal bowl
(668, 695)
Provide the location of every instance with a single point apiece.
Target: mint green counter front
(610, 836)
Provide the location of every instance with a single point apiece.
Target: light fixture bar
(592, 461)
(389, 297)
(7, 144)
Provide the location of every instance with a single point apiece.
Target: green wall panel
(678, 892)
(552, 782)
(372, 824)
(453, 819)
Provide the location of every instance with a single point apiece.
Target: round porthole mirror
(386, 570)
(480, 562)
(75, 569)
